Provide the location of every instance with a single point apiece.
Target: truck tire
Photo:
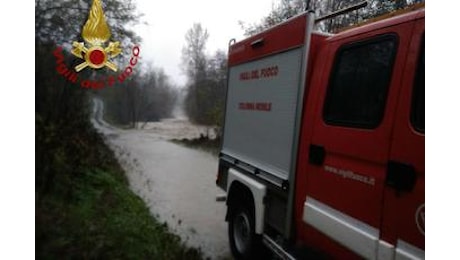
(244, 242)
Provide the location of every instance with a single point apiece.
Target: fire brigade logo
(96, 33)
(96, 53)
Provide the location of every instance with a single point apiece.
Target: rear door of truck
(263, 100)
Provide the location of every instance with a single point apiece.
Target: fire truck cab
(323, 142)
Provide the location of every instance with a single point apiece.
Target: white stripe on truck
(356, 235)
(350, 232)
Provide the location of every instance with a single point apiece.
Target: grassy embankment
(84, 208)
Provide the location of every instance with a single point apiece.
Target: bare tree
(284, 10)
(193, 53)
(288, 8)
(206, 77)
(148, 96)
(194, 65)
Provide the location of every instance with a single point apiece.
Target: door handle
(401, 176)
(257, 43)
(316, 155)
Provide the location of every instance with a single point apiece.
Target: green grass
(84, 208)
(103, 220)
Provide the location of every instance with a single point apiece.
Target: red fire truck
(323, 142)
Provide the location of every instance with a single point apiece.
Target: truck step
(295, 252)
(276, 249)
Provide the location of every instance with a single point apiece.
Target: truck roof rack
(342, 11)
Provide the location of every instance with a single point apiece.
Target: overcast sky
(168, 21)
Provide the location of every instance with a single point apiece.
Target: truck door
(349, 150)
(404, 196)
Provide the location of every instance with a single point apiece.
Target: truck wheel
(244, 242)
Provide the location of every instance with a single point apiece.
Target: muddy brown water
(177, 183)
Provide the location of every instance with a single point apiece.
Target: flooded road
(176, 183)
